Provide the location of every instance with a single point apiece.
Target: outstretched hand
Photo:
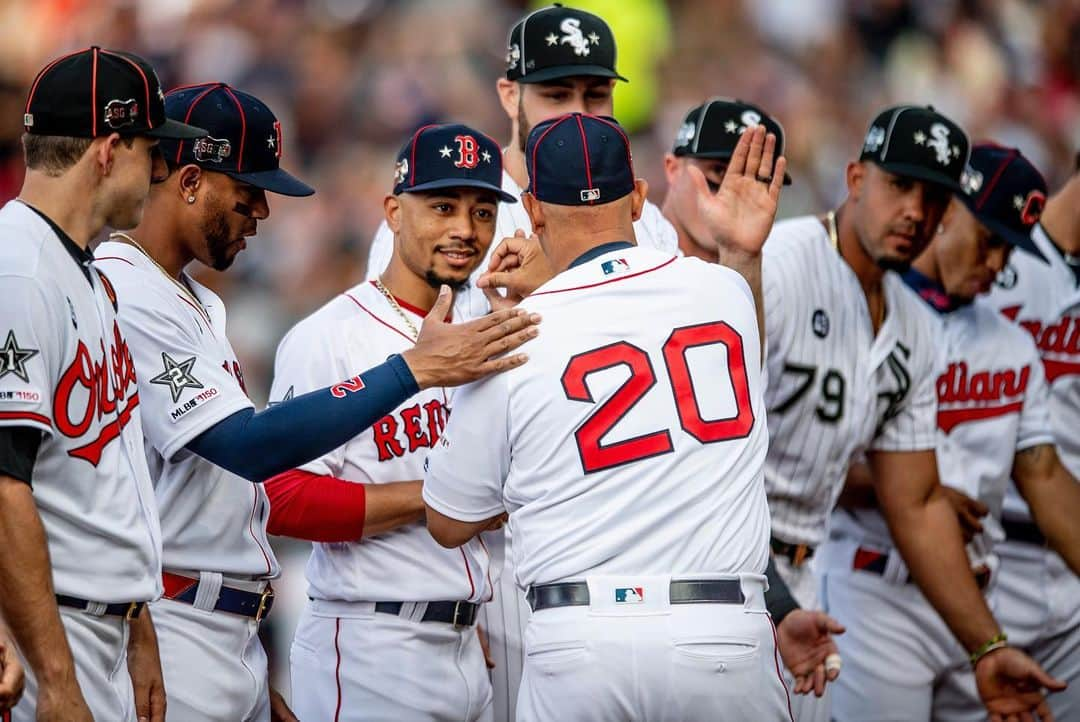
(1011, 686)
(805, 638)
(738, 217)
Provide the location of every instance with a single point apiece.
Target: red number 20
(596, 456)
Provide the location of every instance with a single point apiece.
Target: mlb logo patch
(629, 595)
(590, 194)
(619, 265)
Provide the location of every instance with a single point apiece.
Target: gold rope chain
(182, 286)
(394, 304)
(830, 219)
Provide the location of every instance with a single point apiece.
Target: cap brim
(910, 170)
(1015, 238)
(176, 130)
(570, 71)
(462, 183)
(276, 181)
(716, 155)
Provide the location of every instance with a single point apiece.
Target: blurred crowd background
(349, 80)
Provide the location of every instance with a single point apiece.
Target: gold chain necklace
(182, 286)
(834, 236)
(394, 304)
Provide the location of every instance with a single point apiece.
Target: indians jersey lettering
(621, 446)
(835, 388)
(190, 379)
(66, 369)
(352, 333)
(652, 231)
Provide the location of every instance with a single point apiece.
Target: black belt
(127, 610)
(797, 554)
(1023, 531)
(684, 591)
(870, 560)
(460, 614)
(234, 601)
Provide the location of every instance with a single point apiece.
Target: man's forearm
(392, 505)
(1053, 495)
(749, 267)
(928, 537)
(28, 603)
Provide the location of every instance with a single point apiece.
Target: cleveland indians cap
(1005, 192)
(560, 42)
(918, 142)
(712, 129)
(95, 92)
(449, 156)
(578, 160)
(243, 138)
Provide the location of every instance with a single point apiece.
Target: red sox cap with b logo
(449, 156)
(95, 92)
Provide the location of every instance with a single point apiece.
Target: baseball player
(852, 363)
(992, 418)
(631, 470)
(78, 526)
(559, 60)
(205, 444)
(1036, 595)
(388, 632)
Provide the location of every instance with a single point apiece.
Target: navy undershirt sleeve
(18, 451)
(257, 446)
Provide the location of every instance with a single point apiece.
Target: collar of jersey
(932, 292)
(83, 256)
(599, 251)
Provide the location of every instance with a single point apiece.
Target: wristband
(998, 641)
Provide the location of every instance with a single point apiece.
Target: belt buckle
(800, 555)
(456, 618)
(132, 611)
(264, 599)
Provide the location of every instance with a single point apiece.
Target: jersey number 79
(596, 456)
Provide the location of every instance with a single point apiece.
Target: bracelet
(998, 641)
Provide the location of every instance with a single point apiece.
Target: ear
(509, 96)
(947, 216)
(855, 174)
(104, 152)
(392, 212)
(535, 211)
(638, 196)
(671, 167)
(190, 177)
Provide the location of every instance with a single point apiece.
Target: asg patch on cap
(918, 142)
(1005, 192)
(560, 42)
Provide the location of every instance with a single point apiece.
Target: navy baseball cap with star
(712, 129)
(579, 160)
(560, 42)
(449, 156)
(96, 92)
(916, 141)
(1005, 192)
(243, 137)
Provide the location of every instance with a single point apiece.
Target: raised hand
(518, 266)
(1011, 686)
(805, 637)
(738, 217)
(451, 354)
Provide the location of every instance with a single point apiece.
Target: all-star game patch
(13, 358)
(177, 376)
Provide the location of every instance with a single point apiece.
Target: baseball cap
(1005, 192)
(559, 42)
(918, 142)
(95, 92)
(243, 137)
(712, 129)
(578, 160)
(449, 156)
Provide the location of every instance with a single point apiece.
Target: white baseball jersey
(66, 370)
(652, 231)
(834, 387)
(1043, 297)
(633, 440)
(190, 379)
(352, 333)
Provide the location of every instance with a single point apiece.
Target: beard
(215, 229)
(435, 280)
(523, 124)
(893, 264)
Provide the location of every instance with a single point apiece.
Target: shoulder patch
(13, 358)
(177, 376)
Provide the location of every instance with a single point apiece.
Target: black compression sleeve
(18, 451)
(778, 599)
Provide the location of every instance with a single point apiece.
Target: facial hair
(215, 229)
(435, 280)
(523, 123)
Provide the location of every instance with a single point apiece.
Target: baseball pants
(803, 584)
(504, 619)
(901, 662)
(652, 661)
(350, 663)
(99, 647)
(213, 664)
(1037, 601)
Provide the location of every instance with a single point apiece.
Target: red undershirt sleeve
(315, 507)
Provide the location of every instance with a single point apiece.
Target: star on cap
(731, 126)
(919, 137)
(552, 39)
(956, 151)
(177, 376)
(271, 142)
(486, 156)
(594, 38)
(1018, 203)
(13, 359)
(161, 94)
(445, 151)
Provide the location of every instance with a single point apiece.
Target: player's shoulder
(992, 324)
(23, 234)
(654, 230)
(796, 246)
(327, 320)
(138, 284)
(911, 312)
